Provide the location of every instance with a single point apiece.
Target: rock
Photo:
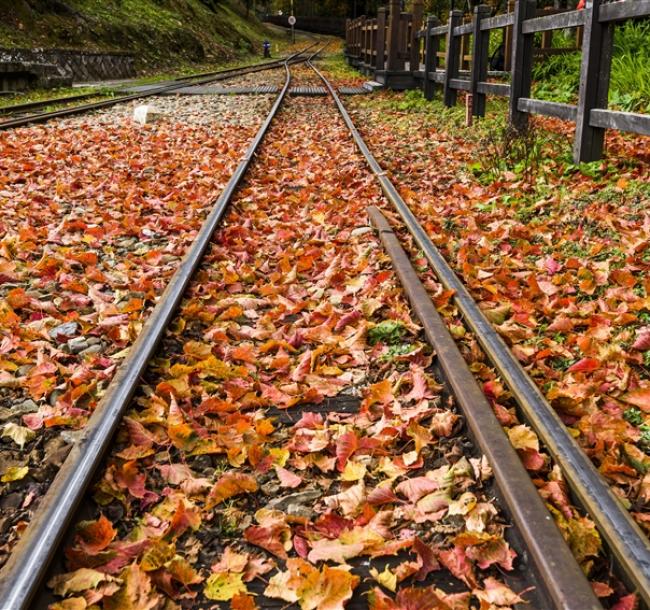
(78, 344)
(71, 437)
(27, 406)
(5, 524)
(298, 504)
(202, 463)
(146, 114)
(24, 369)
(11, 501)
(56, 450)
(93, 349)
(67, 329)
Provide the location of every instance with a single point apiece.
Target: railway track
(544, 561)
(21, 115)
(626, 543)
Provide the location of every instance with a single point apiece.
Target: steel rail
(22, 576)
(624, 540)
(17, 108)
(222, 75)
(564, 583)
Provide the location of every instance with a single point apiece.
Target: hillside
(159, 32)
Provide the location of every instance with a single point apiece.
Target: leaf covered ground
(557, 255)
(96, 215)
(289, 442)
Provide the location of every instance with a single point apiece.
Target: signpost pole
(292, 23)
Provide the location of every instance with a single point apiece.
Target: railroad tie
(308, 91)
(354, 91)
(214, 90)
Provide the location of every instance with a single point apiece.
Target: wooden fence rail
(400, 53)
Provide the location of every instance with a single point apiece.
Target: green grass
(160, 33)
(557, 78)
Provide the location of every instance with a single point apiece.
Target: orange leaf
(95, 536)
(230, 484)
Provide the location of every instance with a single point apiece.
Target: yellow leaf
(230, 484)
(14, 473)
(385, 579)
(280, 456)
(72, 603)
(463, 505)
(223, 586)
(522, 437)
(157, 555)
(353, 471)
(313, 589)
(77, 581)
(18, 434)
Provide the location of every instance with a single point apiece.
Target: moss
(160, 33)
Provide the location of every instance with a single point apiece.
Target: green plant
(557, 77)
(633, 416)
(506, 148)
(400, 349)
(389, 332)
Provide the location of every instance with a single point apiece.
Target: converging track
(24, 113)
(266, 325)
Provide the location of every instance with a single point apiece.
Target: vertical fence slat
(480, 58)
(597, 48)
(381, 39)
(522, 61)
(394, 21)
(431, 47)
(452, 58)
(507, 41)
(418, 14)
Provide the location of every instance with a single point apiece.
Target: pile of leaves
(289, 431)
(97, 214)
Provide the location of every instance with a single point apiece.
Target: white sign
(292, 20)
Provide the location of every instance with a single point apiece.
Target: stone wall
(78, 66)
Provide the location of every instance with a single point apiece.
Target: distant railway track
(547, 562)
(24, 114)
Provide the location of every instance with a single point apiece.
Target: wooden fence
(397, 50)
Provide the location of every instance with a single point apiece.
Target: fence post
(347, 37)
(364, 42)
(480, 59)
(507, 40)
(597, 48)
(431, 46)
(394, 22)
(381, 39)
(452, 59)
(416, 25)
(522, 61)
